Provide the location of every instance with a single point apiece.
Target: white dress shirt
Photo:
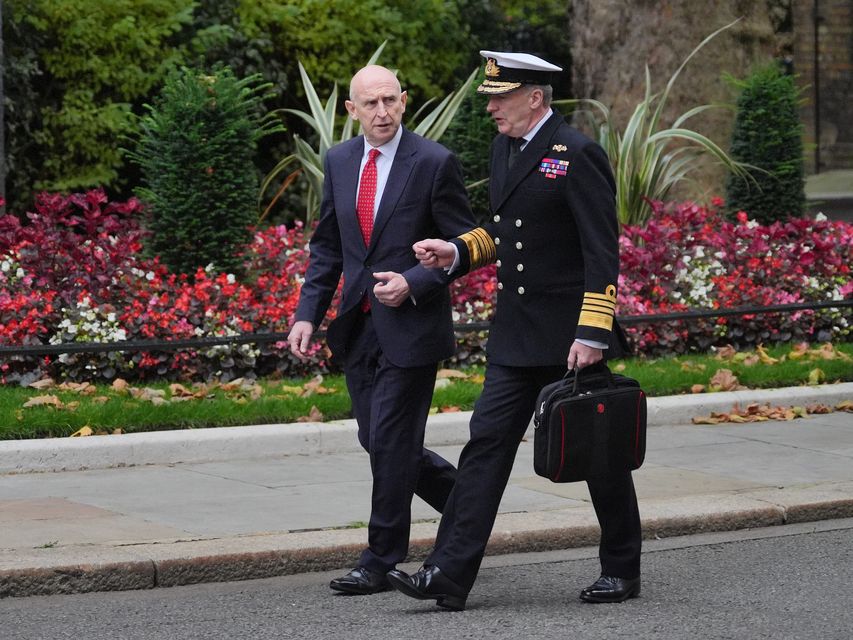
(383, 165)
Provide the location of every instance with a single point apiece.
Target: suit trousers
(390, 405)
(501, 417)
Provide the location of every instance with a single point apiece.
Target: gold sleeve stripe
(602, 304)
(597, 320)
(481, 247)
(609, 294)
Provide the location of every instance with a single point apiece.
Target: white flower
(20, 273)
(820, 217)
(5, 265)
(231, 279)
(111, 317)
(149, 276)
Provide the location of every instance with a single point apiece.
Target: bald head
(377, 102)
(371, 74)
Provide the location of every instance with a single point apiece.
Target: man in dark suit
(554, 237)
(382, 191)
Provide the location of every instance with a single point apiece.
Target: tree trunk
(614, 40)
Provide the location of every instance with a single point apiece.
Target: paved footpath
(163, 509)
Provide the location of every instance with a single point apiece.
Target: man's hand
(434, 253)
(581, 355)
(392, 288)
(299, 338)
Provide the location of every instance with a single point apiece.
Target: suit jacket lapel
(497, 175)
(348, 177)
(527, 159)
(401, 169)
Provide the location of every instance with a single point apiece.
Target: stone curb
(49, 572)
(265, 441)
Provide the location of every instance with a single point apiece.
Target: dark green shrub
(196, 150)
(470, 136)
(768, 134)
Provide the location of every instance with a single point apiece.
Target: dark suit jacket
(424, 198)
(555, 239)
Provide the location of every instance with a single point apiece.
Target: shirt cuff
(455, 265)
(592, 343)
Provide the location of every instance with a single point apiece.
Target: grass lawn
(63, 410)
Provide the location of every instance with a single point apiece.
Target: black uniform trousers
(501, 417)
(391, 405)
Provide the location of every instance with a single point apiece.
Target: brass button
(500, 285)
(498, 263)
(520, 267)
(521, 291)
(497, 218)
(518, 222)
(497, 240)
(518, 246)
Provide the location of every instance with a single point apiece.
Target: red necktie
(364, 206)
(367, 196)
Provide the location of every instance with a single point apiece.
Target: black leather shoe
(361, 581)
(610, 589)
(429, 583)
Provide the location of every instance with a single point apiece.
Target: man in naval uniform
(554, 238)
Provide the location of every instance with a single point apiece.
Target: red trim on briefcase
(588, 425)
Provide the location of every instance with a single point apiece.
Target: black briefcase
(589, 424)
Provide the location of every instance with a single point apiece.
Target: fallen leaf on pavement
(844, 405)
(82, 432)
(818, 409)
(450, 409)
(697, 388)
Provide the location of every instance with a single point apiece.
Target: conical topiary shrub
(768, 134)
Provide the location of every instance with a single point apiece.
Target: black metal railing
(266, 338)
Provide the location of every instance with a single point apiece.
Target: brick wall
(834, 80)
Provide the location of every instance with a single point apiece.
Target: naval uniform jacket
(554, 237)
(424, 197)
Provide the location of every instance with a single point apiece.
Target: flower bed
(690, 257)
(76, 273)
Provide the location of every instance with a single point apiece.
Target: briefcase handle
(598, 370)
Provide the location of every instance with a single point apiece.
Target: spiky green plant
(647, 160)
(323, 119)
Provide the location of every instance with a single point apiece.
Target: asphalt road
(786, 582)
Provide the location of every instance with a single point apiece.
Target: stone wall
(613, 41)
(827, 80)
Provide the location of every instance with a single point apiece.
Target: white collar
(389, 149)
(532, 133)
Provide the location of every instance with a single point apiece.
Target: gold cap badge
(492, 68)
